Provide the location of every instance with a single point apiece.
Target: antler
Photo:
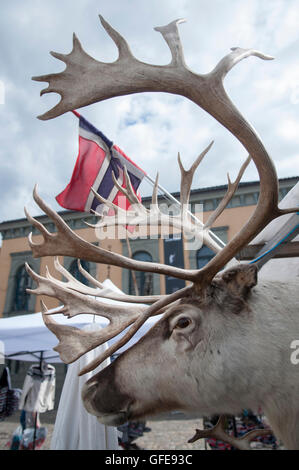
(86, 81)
(99, 290)
(75, 303)
(67, 243)
(135, 76)
(73, 342)
(219, 432)
(231, 189)
(128, 75)
(70, 293)
(140, 215)
(153, 217)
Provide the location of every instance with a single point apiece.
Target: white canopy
(290, 200)
(280, 269)
(25, 336)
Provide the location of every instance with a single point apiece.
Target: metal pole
(133, 274)
(36, 413)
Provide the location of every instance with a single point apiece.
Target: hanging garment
(39, 389)
(75, 429)
(9, 397)
(29, 435)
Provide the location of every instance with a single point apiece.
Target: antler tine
(170, 34)
(131, 191)
(109, 294)
(71, 283)
(71, 279)
(186, 181)
(100, 290)
(155, 193)
(51, 241)
(218, 432)
(120, 188)
(137, 214)
(73, 342)
(289, 210)
(97, 214)
(108, 203)
(187, 175)
(231, 189)
(88, 276)
(155, 213)
(47, 235)
(75, 303)
(122, 45)
(230, 60)
(128, 191)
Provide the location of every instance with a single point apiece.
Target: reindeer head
(192, 334)
(211, 297)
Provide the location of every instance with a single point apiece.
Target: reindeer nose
(104, 399)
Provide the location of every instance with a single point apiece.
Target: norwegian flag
(98, 157)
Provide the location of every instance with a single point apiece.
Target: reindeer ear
(241, 279)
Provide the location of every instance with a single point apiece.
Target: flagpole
(133, 274)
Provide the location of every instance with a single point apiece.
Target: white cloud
(289, 129)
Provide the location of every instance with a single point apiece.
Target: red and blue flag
(98, 157)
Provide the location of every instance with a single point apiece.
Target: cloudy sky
(150, 128)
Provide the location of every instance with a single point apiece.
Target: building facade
(167, 249)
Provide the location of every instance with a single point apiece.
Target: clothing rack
(39, 355)
(36, 413)
(35, 354)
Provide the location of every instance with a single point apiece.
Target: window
(203, 256)
(250, 199)
(283, 192)
(22, 282)
(144, 280)
(209, 205)
(221, 232)
(74, 270)
(236, 201)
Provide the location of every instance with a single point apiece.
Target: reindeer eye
(183, 322)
